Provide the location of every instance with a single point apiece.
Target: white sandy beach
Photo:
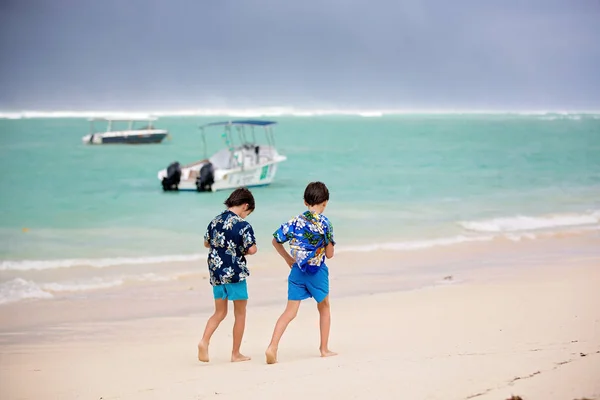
(532, 332)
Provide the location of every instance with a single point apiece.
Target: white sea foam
(521, 223)
(31, 265)
(81, 287)
(514, 228)
(290, 111)
(414, 245)
(20, 289)
(26, 265)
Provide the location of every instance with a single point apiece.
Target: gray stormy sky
(417, 54)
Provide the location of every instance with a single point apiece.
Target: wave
(414, 245)
(522, 223)
(514, 228)
(291, 111)
(28, 265)
(93, 284)
(20, 289)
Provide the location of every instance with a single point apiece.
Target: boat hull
(136, 139)
(256, 176)
(126, 138)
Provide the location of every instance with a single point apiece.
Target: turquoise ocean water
(397, 182)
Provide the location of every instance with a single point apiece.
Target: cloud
(171, 54)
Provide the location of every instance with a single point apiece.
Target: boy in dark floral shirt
(230, 238)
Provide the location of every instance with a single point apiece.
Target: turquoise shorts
(231, 291)
(302, 286)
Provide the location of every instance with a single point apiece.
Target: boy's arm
(329, 239)
(252, 250)
(283, 253)
(329, 250)
(207, 238)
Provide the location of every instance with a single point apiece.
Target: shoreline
(386, 271)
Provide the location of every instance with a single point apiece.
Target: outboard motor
(171, 182)
(206, 178)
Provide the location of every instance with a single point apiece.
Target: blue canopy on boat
(252, 122)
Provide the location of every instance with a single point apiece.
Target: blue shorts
(302, 286)
(231, 291)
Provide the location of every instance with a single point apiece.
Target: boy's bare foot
(239, 357)
(328, 353)
(271, 354)
(202, 352)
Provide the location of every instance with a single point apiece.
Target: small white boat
(131, 135)
(245, 164)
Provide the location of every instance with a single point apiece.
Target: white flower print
(231, 250)
(218, 239)
(216, 261)
(227, 274)
(215, 222)
(300, 223)
(229, 222)
(248, 239)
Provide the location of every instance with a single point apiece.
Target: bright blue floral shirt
(230, 238)
(308, 235)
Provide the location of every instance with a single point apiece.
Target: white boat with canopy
(245, 163)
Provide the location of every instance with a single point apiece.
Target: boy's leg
(211, 326)
(325, 325)
(318, 286)
(239, 309)
(288, 315)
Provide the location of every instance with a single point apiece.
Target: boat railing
(246, 139)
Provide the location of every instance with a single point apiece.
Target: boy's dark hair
(240, 196)
(316, 193)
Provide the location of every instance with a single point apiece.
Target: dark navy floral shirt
(308, 235)
(230, 238)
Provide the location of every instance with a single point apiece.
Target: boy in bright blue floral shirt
(310, 237)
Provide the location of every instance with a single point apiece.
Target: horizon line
(284, 111)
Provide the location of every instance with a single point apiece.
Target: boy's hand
(283, 253)
(290, 261)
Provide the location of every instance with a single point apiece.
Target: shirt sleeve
(248, 237)
(329, 238)
(283, 234)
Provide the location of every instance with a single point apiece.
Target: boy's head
(316, 194)
(242, 201)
